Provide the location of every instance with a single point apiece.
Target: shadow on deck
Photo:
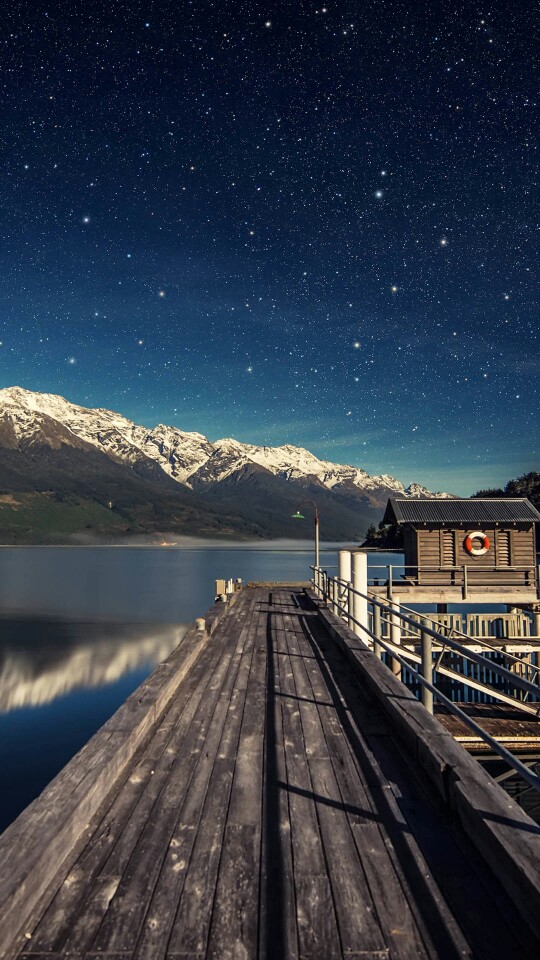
(282, 799)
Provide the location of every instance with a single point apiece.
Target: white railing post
(344, 573)
(359, 582)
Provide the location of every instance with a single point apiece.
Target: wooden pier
(271, 792)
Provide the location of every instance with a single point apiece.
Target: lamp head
(297, 516)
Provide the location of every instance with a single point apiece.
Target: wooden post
(427, 669)
(395, 635)
(465, 583)
(344, 573)
(359, 582)
(536, 617)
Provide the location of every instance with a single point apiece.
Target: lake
(81, 627)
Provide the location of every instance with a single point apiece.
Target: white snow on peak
(189, 458)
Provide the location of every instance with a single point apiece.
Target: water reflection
(43, 659)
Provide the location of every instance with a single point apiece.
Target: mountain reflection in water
(41, 660)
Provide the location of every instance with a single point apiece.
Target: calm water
(80, 629)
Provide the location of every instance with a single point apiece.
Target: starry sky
(287, 223)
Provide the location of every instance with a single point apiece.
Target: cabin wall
(410, 550)
(436, 547)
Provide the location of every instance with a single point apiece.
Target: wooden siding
(438, 547)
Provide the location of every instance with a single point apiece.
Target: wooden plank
(54, 826)
(170, 887)
(277, 923)
(192, 922)
(389, 890)
(317, 926)
(121, 925)
(234, 924)
(121, 834)
(357, 922)
(145, 780)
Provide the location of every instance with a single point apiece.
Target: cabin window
(448, 548)
(503, 548)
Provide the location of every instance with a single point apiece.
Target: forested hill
(526, 486)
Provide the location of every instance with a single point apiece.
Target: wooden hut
(484, 543)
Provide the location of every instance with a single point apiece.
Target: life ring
(470, 547)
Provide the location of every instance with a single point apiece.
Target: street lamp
(300, 516)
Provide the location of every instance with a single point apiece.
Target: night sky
(287, 223)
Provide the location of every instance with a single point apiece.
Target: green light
(297, 516)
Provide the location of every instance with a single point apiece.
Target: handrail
(532, 779)
(485, 641)
(515, 680)
(451, 569)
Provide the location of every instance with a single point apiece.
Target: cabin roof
(453, 511)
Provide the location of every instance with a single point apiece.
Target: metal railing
(464, 576)
(339, 594)
(450, 631)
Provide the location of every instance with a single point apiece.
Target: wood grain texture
(290, 803)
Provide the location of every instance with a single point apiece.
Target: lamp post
(300, 516)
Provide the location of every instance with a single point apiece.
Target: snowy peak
(189, 458)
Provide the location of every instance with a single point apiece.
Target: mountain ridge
(97, 452)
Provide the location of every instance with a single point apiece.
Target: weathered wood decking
(274, 812)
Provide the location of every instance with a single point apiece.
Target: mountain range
(69, 472)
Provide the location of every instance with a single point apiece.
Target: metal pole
(377, 629)
(389, 590)
(316, 538)
(465, 584)
(427, 669)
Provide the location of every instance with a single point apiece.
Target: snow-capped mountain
(28, 418)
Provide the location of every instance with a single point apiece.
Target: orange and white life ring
(473, 547)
